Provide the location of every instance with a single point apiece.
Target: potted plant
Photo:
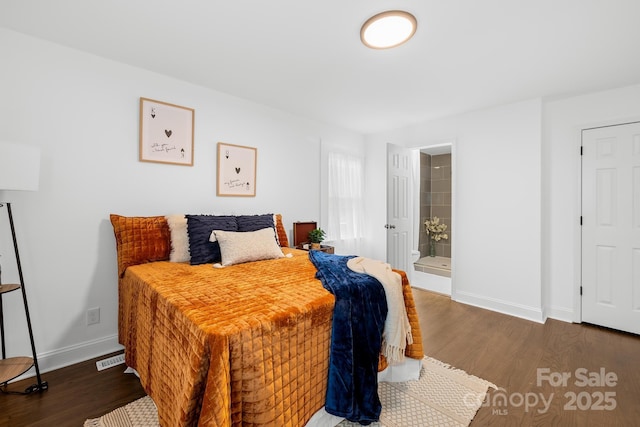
(316, 237)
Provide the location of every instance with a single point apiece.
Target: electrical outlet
(93, 316)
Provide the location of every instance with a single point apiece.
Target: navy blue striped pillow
(255, 222)
(199, 228)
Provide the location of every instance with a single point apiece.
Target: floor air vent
(110, 362)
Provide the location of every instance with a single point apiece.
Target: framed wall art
(166, 133)
(236, 170)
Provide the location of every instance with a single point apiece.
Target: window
(345, 201)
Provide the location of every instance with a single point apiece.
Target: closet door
(611, 227)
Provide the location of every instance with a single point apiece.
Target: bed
(246, 344)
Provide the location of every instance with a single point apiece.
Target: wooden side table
(323, 248)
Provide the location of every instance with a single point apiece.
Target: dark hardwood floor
(513, 353)
(75, 393)
(505, 350)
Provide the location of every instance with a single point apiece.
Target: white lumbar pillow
(244, 246)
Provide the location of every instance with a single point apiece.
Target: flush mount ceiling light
(388, 29)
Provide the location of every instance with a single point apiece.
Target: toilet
(415, 256)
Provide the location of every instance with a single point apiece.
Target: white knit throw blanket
(397, 329)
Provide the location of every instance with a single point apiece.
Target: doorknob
(388, 226)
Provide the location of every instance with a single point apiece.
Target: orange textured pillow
(282, 233)
(140, 240)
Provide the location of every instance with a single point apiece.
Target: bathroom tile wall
(441, 198)
(435, 199)
(425, 201)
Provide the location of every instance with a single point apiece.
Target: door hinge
(580, 219)
(581, 150)
(580, 290)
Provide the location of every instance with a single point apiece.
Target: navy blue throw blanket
(358, 320)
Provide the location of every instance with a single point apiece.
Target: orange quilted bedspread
(241, 345)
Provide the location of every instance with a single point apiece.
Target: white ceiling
(306, 57)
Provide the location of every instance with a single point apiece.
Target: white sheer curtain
(345, 202)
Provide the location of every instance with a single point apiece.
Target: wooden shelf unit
(13, 367)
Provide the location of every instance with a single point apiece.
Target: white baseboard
(560, 313)
(67, 356)
(431, 282)
(506, 307)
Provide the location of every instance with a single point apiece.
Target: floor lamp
(19, 171)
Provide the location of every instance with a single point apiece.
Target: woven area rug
(443, 396)
(139, 413)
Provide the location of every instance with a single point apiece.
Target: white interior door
(399, 207)
(611, 227)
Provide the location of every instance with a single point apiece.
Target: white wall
(497, 203)
(82, 111)
(564, 119)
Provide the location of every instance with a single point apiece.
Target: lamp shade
(19, 167)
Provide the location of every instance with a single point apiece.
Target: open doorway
(432, 266)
